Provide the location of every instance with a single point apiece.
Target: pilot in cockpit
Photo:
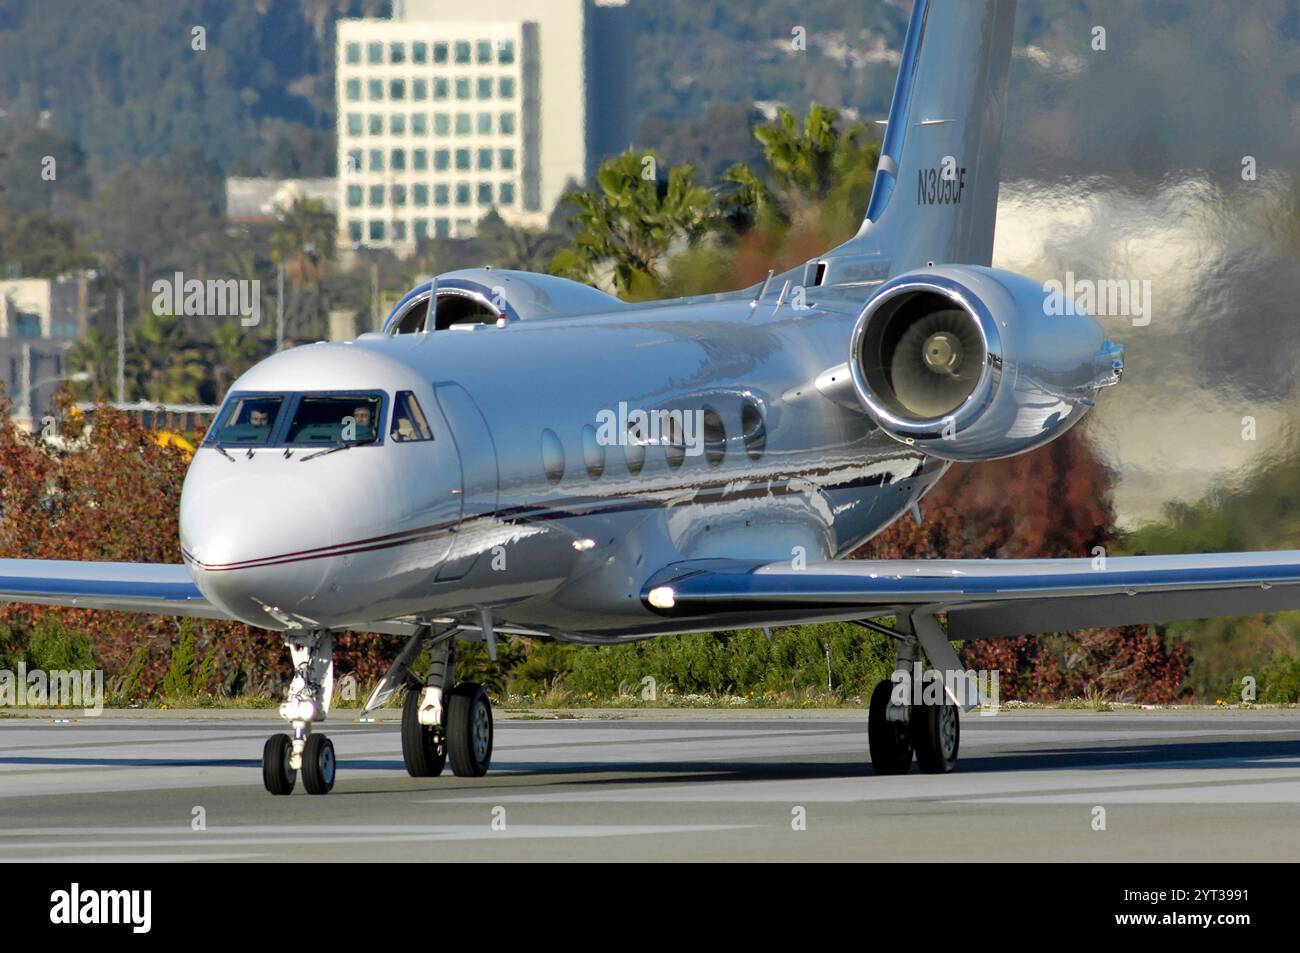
(364, 422)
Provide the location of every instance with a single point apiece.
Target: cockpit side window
(409, 423)
(336, 419)
(247, 420)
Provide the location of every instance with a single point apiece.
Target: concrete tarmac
(662, 786)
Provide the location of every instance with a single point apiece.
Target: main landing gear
(916, 715)
(310, 691)
(442, 719)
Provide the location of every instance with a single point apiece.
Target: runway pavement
(644, 786)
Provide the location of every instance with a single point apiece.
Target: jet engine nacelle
(972, 363)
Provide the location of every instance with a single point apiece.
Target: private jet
(517, 453)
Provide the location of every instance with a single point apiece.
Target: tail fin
(936, 191)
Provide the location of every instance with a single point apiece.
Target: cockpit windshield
(331, 420)
(300, 420)
(247, 421)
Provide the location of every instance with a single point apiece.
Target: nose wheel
(285, 756)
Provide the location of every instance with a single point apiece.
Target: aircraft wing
(158, 589)
(986, 597)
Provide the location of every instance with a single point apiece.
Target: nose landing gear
(310, 692)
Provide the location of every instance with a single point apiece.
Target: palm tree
(630, 225)
(165, 362)
(303, 242)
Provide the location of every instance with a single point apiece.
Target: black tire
(936, 735)
(890, 741)
(318, 765)
(277, 776)
(424, 752)
(469, 730)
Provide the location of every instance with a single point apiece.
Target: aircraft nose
(255, 544)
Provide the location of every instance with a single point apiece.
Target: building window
(484, 160)
(397, 124)
(441, 160)
(462, 51)
(376, 196)
(397, 53)
(354, 124)
(419, 52)
(507, 124)
(354, 90)
(397, 89)
(485, 193)
(420, 90)
(462, 193)
(462, 160)
(376, 160)
(354, 160)
(397, 160)
(506, 87)
(484, 87)
(441, 195)
(398, 193)
(420, 195)
(419, 124)
(485, 124)
(421, 229)
(419, 159)
(399, 231)
(354, 196)
(507, 193)
(374, 54)
(485, 51)
(376, 230)
(375, 89)
(441, 124)
(440, 88)
(376, 124)
(354, 53)
(507, 159)
(442, 227)
(506, 51)
(462, 88)
(440, 52)
(462, 124)
(354, 230)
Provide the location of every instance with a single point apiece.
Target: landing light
(582, 545)
(662, 597)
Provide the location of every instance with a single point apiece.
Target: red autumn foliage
(1053, 502)
(112, 493)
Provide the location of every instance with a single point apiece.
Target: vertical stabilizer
(936, 191)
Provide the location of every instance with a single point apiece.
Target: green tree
(629, 225)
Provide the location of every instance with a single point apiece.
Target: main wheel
(318, 765)
(469, 730)
(936, 734)
(277, 776)
(424, 751)
(890, 741)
